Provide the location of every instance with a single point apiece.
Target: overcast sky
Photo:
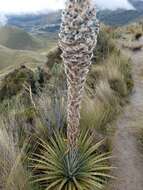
(18, 6)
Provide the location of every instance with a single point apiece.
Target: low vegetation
(33, 106)
(12, 170)
(10, 59)
(131, 36)
(84, 169)
(107, 87)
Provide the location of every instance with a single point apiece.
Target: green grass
(16, 38)
(17, 47)
(13, 58)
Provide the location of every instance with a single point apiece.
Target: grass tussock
(107, 87)
(105, 45)
(14, 175)
(96, 113)
(54, 56)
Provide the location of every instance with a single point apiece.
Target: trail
(126, 155)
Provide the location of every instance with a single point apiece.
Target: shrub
(123, 64)
(138, 36)
(96, 74)
(58, 168)
(22, 80)
(105, 46)
(116, 77)
(116, 69)
(108, 85)
(51, 108)
(54, 57)
(13, 83)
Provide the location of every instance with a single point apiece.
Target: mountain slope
(16, 38)
(138, 4)
(50, 22)
(36, 23)
(10, 58)
(119, 17)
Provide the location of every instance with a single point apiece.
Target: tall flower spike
(78, 38)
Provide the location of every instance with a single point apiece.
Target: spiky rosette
(78, 38)
(58, 169)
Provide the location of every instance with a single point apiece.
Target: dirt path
(127, 157)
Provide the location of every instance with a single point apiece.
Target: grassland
(32, 108)
(18, 47)
(16, 38)
(13, 58)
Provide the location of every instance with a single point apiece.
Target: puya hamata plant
(78, 38)
(59, 169)
(75, 163)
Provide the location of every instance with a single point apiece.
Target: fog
(27, 6)
(114, 4)
(3, 20)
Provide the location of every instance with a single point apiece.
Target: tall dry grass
(107, 88)
(13, 174)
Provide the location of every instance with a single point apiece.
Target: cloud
(114, 4)
(25, 6)
(3, 20)
(19, 6)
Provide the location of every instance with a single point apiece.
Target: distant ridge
(16, 38)
(36, 23)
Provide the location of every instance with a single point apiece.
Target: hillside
(18, 47)
(44, 23)
(138, 4)
(120, 16)
(108, 85)
(34, 100)
(50, 138)
(10, 58)
(36, 23)
(16, 38)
